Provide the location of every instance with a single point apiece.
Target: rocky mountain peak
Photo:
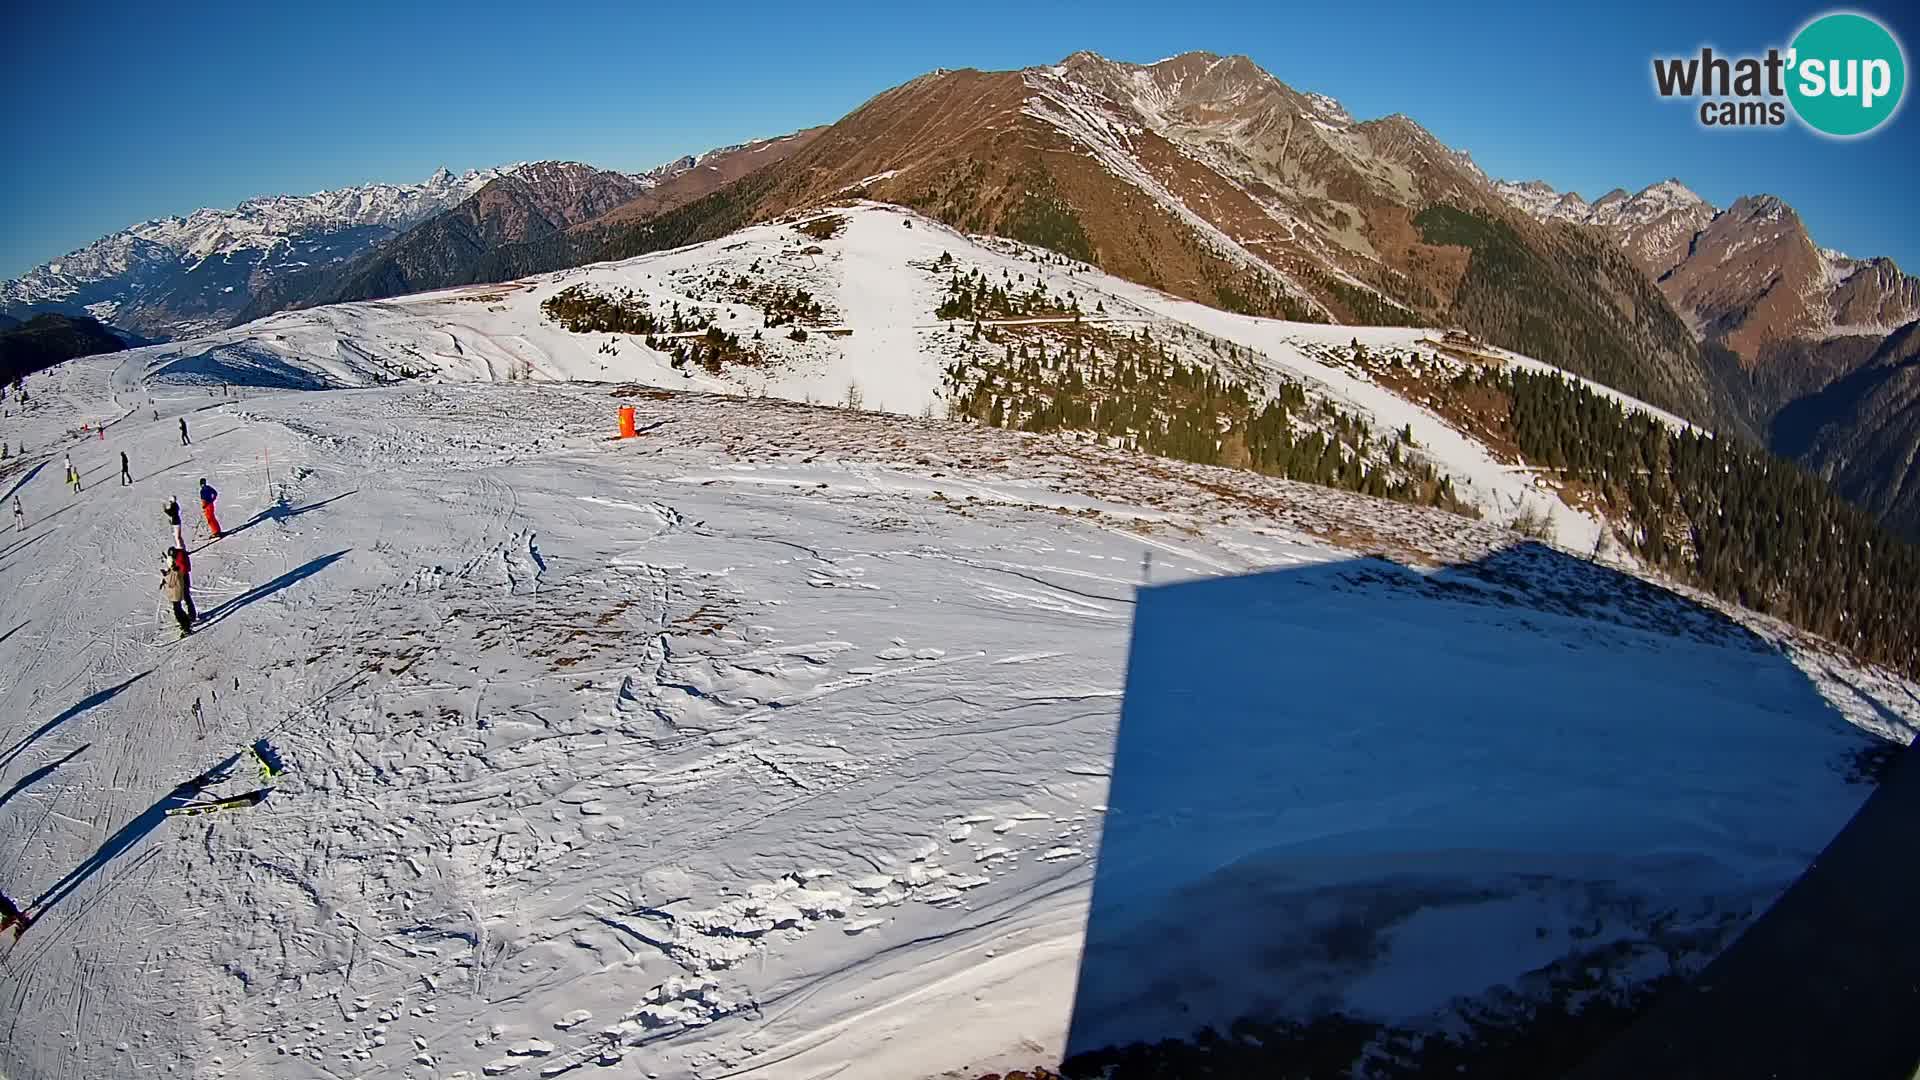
(1672, 190)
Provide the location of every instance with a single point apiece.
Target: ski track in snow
(720, 752)
(611, 738)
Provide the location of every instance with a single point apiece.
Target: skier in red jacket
(185, 565)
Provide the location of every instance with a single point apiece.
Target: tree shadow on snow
(93, 700)
(260, 592)
(1371, 821)
(129, 835)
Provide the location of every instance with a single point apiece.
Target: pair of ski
(270, 768)
(215, 806)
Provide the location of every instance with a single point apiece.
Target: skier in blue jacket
(207, 495)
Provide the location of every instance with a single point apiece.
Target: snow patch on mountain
(1654, 226)
(1329, 109)
(1540, 200)
(1838, 266)
(1465, 160)
(1651, 203)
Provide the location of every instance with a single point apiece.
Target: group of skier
(176, 580)
(126, 474)
(176, 586)
(73, 476)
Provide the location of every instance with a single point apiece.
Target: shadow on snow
(23, 481)
(1826, 983)
(21, 545)
(1370, 821)
(280, 511)
(93, 700)
(129, 835)
(41, 773)
(162, 469)
(260, 592)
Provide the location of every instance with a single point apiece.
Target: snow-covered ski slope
(774, 743)
(880, 283)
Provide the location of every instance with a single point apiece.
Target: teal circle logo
(1848, 74)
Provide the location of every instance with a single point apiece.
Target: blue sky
(122, 112)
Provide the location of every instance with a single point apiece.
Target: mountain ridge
(1795, 333)
(1686, 243)
(179, 275)
(457, 245)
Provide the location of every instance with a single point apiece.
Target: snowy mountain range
(1750, 275)
(178, 276)
(542, 208)
(1654, 226)
(172, 276)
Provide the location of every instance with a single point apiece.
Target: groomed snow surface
(777, 742)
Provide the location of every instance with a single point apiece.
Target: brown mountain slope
(967, 147)
(532, 203)
(529, 206)
(526, 202)
(1787, 316)
(539, 199)
(693, 178)
(1207, 177)
(1862, 432)
(1874, 295)
(1656, 227)
(1753, 275)
(1754, 280)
